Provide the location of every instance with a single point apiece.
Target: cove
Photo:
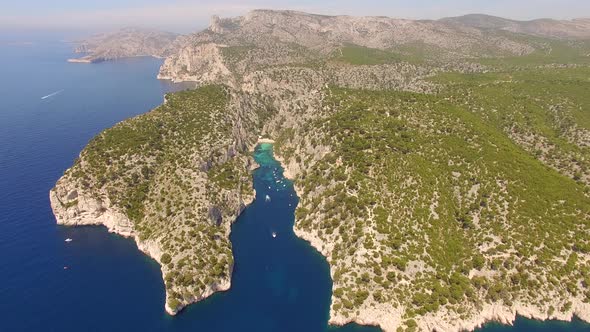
(279, 282)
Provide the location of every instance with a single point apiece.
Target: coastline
(389, 319)
(90, 211)
(82, 209)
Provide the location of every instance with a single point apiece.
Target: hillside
(568, 29)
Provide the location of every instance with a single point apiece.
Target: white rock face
(202, 64)
(72, 207)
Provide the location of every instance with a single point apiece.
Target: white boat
(69, 240)
(267, 198)
(274, 234)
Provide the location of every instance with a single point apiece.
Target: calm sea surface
(279, 283)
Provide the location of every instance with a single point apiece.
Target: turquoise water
(279, 284)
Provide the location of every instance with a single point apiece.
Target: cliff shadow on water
(279, 282)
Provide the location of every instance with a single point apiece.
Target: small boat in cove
(69, 240)
(267, 198)
(274, 234)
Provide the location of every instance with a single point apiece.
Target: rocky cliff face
(201, 63)
(74, 207)
(322, 32)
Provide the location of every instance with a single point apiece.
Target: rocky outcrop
(73, 207)
(202, 63)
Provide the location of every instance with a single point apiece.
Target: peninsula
(125, 43)
(443, 166)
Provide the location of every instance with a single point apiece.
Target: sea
(99, 281)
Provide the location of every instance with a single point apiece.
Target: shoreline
(89, 211)
(117, 223)
(490, 313)
(92, 60)
(389, 319)
(93, 213)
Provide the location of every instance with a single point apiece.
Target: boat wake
(52, 94)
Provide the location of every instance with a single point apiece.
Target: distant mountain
(464, 36)
(275, 37)
(127, 42)
(577, 28)
(323, 32)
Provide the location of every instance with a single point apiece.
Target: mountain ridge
(578, 28)
(462, 34)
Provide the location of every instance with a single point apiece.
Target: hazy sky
(186, 15)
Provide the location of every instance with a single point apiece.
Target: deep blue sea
(279, 283)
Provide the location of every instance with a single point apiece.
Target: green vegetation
(360, 55)
(176, 174)
(476, 194)
(166, 259)
(548, 52)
